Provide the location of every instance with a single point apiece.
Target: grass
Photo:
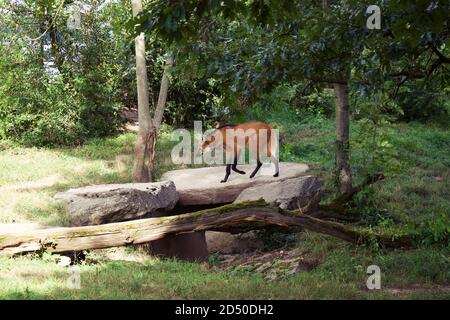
(415, 196)
(29, 177)
(341, 276)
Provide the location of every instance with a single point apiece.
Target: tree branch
(408, 75)
(443, 58)
(234, 218)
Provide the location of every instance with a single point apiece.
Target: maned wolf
(234, 138)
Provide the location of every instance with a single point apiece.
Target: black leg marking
(277, 166)
(227, 173)
(234, 167)
(258, 165)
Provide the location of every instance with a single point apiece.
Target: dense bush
(315, 100)
(190, 101)
(288, 102)
(61, 86)
(43, 113)
(60, 89)
(420, 104)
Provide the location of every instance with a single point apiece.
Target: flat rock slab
(202, 186)
(98, 204)
(290, 194)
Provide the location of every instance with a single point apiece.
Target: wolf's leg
(254, 150)
(227, 173)
(277, 167)
(234, 166)
(258, 165)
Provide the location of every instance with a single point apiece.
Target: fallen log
(234, 218)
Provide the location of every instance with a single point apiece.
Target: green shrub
(436, 229)
(419, 104)
(315, 101)
(54, 111)
(189, 101)
(62, 95)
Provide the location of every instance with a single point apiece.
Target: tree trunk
(42, 31)
(163, 90)
(142, 171)
(234, 218)
(343, 173)
(159, 113)
(53, 33)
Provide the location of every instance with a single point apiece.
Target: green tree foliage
(62, 85)
(59, 85)
(251, 46)
(228, 54)
(419, 102)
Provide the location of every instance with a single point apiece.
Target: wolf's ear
(217, 124)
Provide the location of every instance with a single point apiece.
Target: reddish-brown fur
(253, 138)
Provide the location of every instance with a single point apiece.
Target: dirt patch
(43, 183)
(416, 288)
(20, 227)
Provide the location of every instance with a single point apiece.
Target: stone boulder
(201, 186)
(98, 204)
(288, 194)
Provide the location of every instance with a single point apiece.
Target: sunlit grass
(29, 177)
(414, 193)
(342, 275)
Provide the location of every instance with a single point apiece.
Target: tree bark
(343, 173)
(234, 218)
(42, 30)
(158, 116)
(163, 91)
(53, 33)
(144, 143)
